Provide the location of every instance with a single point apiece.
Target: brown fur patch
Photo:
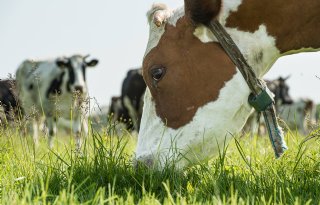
(294, 23)
(195, 73)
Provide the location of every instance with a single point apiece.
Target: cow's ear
(62, 62)
(202, 11)
(92, 63)
(286, 78)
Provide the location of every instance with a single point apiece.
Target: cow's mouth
(78, 89)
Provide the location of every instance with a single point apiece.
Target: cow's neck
(264, 30)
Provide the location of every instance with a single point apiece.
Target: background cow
(299, 116)
(9, 100)
(53, 89)
(128, 107)
(280, 89)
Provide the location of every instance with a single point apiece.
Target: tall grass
(245, 172)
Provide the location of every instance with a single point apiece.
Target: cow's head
(195, 96)
(76, 67)
(280, 88)
(283, 91)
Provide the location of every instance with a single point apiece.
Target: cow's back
(134, 87)
(33, 79)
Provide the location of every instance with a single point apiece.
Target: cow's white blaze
(79, 80)
(215, 121)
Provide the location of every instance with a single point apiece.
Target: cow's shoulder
(30, 64)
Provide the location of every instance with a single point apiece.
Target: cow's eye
(157, 72)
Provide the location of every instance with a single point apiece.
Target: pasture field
(245, 172)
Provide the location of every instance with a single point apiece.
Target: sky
(116, 33)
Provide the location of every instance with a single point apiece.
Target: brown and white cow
(196, 98)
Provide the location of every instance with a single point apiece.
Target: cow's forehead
(76, 58)
(155, 32)
(76, 61)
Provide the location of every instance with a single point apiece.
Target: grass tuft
(244, 172)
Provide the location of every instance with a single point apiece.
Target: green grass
(245, 172)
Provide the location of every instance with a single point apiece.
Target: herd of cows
(193, 96)
(50, 88)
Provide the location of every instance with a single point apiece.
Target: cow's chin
(211, 128)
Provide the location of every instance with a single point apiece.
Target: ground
(245, 172)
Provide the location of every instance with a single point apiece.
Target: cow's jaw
(159, 145)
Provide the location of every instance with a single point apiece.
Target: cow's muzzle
(79, 89)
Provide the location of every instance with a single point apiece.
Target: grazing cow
(53, 89)
(128, 107)
(9, 99)
(196, 98)
(300, 115)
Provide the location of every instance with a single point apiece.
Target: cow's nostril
(78, 89)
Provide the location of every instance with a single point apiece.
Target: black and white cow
(8, 99)
(299, 116)
(133, 88)
(55, 89)
(128, 107)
